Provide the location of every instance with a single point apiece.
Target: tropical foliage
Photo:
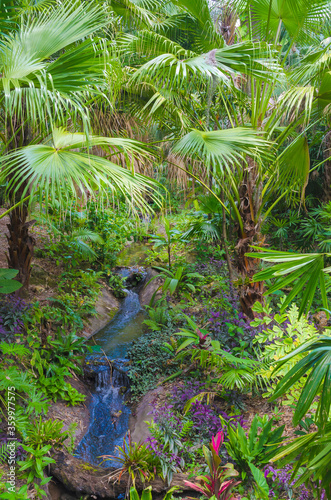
(193, 137)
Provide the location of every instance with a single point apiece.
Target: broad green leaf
(9, 286)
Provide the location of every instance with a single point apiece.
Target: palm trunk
(20, 244)
(225, 241)
(327, 170)
(169, 257)
(250, 292)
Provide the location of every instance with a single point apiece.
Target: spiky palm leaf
(316, 366)
(305, 271)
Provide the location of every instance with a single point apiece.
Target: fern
(188, 424)
(37, 402)
(17, 350)
(15, 378)
(3, 453)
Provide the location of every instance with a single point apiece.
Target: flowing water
(134, 254)
(109, 416)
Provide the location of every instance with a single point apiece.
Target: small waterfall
(103, 379)
(106, 376)
(109, 415)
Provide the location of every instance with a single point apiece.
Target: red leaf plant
(218, 483)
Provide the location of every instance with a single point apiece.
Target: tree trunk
(250, 292)
(20, 244)
(225, 241)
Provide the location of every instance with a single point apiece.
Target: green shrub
(150, 362)
(256, 446)
(117, 284)
(286, 332)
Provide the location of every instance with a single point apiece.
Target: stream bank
(104, 420)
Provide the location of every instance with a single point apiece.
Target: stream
(109, 416)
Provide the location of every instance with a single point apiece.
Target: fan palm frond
(203, 229)
(206, 36)
(301, 19)
(56, 172)
(37, 85)
(135, 13)
(83, 238)
(222, 148)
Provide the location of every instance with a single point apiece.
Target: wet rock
(82, 479)
(136, 276)
(106, 307)
(123, 389)
(148, 289)
(138, 427)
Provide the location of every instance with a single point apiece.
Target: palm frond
(292, 173)
(222, 148)
(203, 229)
(150, 44)
(305, 271)
(82, 239)
(56, 172)
(32, 6)
(301, 19)
(134, 14)
(38, 88)
(168, 70)
(87, 235)
(39, 38)
(206, 36)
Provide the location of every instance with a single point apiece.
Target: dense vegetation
(200, 129)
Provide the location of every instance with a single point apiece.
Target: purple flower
(283, 479)
(12, 310)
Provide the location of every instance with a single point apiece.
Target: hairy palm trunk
(250, 199)
(20, 243)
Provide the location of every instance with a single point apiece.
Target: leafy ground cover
(204, 128)
(216, 363)
(218, 368)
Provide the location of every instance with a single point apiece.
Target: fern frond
(186, 428)
(3, 453)
(17, 350)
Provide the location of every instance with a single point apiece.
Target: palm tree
(173, 82)
(51, 70)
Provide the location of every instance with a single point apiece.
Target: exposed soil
(73, 414)
(45, 272)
